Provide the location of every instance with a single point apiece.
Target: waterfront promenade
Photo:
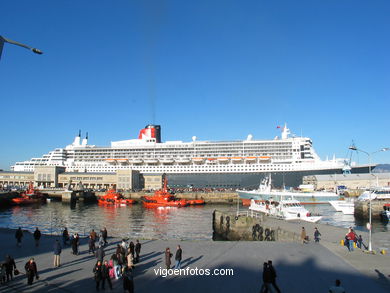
(301, 268)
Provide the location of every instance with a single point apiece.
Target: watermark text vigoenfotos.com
(193, 272)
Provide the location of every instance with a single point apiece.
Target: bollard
(342, 242)
(354, 245)
(383, 251)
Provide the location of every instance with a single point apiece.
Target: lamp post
(5, 40)
(354, 148)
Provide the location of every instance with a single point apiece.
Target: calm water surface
(190, 223)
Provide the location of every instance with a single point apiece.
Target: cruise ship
(201, 164)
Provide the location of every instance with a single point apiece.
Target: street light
(354, 148)
(4, 40)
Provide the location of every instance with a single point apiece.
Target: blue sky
(219, 70)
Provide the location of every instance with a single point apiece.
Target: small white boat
(289, 209)
(347, 207)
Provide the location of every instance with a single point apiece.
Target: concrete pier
(362, 208)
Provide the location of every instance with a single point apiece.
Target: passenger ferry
(208, 164)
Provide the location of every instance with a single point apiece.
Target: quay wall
(229, 226)
(362, 208)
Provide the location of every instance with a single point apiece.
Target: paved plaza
(300, 268)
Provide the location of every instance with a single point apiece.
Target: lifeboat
(31, 196)
(136, 161)
(111, 161)
(183, 160)
(223, 160)
(198, 160)
(265, 158)
(211, 160)
(123, 161)
(167, 161)
(151, 161)
(114, 198)
(250, 159)
(162, 198)
(236, 159)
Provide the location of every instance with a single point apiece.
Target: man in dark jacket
(178, 258)
(137, 250)
(128, 282)
(31, 271)
(97, 270)
(106, 274)
(57, 253)
(104, 235)
(10, 266)
(273, 275)
(65, 236)
(91, 245)
(19, 236)
(100, 254)
(37, 236)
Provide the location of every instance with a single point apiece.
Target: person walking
(37, 236)
(100, 254)
(19, 236)
(351, 239)
(130, 258)
(303, 235)
(178, 257)
(267, 280)
(57, 253)
(132, 248)
(337, 288)
(317, 235)
(106, 274)
(168, 256)
(65, 237)
(273, 276)
(91, 245)
(10, 266)
(75, 244)
(137, 251)
(104, 235)
(128, 281)
(97, 271)
(93, 235)
(31, 271)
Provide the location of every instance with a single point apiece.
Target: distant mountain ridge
(382, 168)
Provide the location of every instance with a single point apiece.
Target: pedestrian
(124, 244)
(91, 245)
(57, 253)
(65, 237)
(130, 258)
(19, 236)
(37, 236)
(132, 248)
(337, 288)
(10, 266)
(2, 273)
(97, 271)
(168, 256)
(117, 267)
(303, 235)
(75, 242)
(273, 276)
(137, 251)
(178, 257)
(106, 274)
(267, 280)
(100, 254)
(360, 243)
(104, 235)
(128, 281)
(351, 239)
(31, 271)
(317, 235)
(93, 235)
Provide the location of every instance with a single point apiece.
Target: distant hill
(382, 168)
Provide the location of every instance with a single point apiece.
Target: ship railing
(250, 213)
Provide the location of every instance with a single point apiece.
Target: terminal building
(56, 177)
(351, 181)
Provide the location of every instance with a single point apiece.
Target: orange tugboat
(30, 196)
(114, 198)
(162, 198)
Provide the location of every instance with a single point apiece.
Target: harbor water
(190, 223)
